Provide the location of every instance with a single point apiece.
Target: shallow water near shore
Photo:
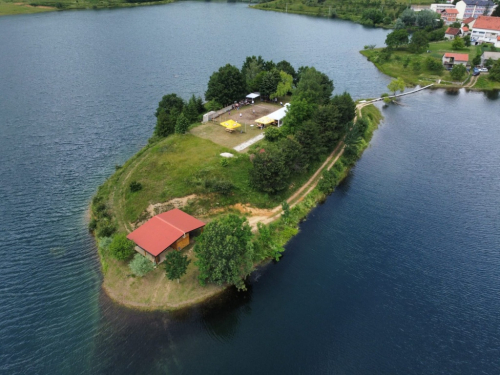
(397, 272)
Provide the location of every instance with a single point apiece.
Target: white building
(474, 8)
(486, 30)
(440, 7)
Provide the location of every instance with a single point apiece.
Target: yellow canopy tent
(265, 120)
(230, 124)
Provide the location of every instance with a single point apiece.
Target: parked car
(483, 69)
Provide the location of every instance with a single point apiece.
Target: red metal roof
(163, 230)
(457, 56)
(488, 23)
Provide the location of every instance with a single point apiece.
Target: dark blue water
(398, 272)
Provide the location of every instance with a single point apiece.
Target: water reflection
(492, 94)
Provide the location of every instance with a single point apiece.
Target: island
(221, 186)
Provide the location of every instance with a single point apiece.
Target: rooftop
(450, 11)
(479, 3)
(487, 22)
(457, 56)
(163, 230)
(452, 31)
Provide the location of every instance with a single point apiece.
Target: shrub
(92, 225)
(105, 228)
(120, 247)
(212, 105)
(369, 46)
(224, 162)
(140, 266)
(104, 244)
(135, 186)
(272, 134)
(434, 65)
(328, 181)
(222, 187)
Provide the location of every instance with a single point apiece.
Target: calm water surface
(397, 273)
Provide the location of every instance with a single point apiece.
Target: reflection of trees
(452, 92)
(221, 316)
(492, 94)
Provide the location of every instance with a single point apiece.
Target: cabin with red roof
(450, 59)
(169, 231)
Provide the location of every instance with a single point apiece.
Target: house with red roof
(486, 30)
(450, 59)
(165, 232)
(452, 33)
(449, 15)
(468, 22)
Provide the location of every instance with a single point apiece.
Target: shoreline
(121, 287)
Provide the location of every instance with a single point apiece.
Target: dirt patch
(218, 134)
(158, 208)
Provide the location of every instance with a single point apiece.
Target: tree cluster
(174, 115)
(314, 124)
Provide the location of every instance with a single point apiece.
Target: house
(451, 33)
(449, 15)
(468, 22)
(474, 8)
(486, 29)
(438, 8)
(450, 59)
(464, 30)
(489, 55)
(164, 232)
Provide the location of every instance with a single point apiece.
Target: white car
(482, 69)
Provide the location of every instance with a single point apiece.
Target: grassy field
(13, 7)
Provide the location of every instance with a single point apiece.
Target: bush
(222, 187)
(369, 46)
(328, 181)
(272, 134)
(212, 105)
(140, 265)
(120, 247)
(92, 225)
(434, 65)
(135, 186)
(224, 162)
(105, 228)
(104, 244)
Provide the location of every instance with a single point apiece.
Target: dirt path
(472, 82)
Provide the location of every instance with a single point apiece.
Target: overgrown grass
(483, 83)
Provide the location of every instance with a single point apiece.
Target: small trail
(472, 82)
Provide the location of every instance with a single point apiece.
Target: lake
(396, 273)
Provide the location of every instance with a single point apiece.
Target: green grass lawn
(7, 8)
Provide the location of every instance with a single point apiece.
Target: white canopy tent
(279, 114)
(253, 95)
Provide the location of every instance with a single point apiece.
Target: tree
(140, 266)
(315, 86)
(396, 85)
(269, 83)
(300, 110)
(311, 138)
(120, 247)
(272, 134)
(251, 68)
(426, 18)
(226, 85)
(397, 38)
(192, 109)
(476, 60)
(496, 12)
(467, 40)
(176, 265)
(488, 63)
(408, 17)
(374, 15)
(169, 108)
(346, 107)
(270, 172)
(265, 245)
(494, 72)
(399, 24)
(458, 72)
(285, 66)
(224, 251)
(284, 85)
(182, 124)
(458, 43)
(419, 42)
